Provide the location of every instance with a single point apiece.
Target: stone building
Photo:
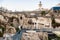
(30, 19)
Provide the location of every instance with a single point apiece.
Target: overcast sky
(22, 5)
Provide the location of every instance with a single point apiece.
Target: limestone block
(34, 36)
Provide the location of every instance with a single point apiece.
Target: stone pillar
(34, 25)
(45, 36)
(50, 23)
(37, 22)
(44, 23)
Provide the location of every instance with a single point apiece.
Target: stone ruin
(35, 36)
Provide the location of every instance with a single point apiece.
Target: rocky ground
(34, 36)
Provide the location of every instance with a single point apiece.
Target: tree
(54, 23)
(43, 13)
(1, 33)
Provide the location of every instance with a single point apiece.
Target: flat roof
(56, 8)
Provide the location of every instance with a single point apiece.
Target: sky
(27, 5)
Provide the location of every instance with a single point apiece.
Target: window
(21, 18)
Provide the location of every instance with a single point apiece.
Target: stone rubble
(35, 36)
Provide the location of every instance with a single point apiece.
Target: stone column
(50, 23)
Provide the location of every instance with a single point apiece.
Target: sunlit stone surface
(34, 36)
